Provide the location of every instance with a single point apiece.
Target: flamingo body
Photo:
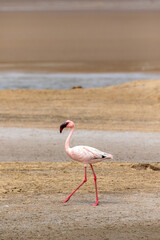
(85, 154)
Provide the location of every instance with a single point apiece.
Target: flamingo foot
(95, 204)
(66, 200)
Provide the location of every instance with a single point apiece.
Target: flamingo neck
(67, 147)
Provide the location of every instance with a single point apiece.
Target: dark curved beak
(63, 125)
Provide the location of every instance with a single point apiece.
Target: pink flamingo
(86, 155)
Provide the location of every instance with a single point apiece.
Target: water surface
(68, 80)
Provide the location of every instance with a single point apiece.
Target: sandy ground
(39, 145)
(118, 217)
(133, 106)
(80, 41)
(32, 188)
(123, 120)
(31, 207)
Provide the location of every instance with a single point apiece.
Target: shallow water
(68, 80)
(66, 5)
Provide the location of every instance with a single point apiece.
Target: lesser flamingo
(86, 155)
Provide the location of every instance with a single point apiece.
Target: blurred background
(78, 36)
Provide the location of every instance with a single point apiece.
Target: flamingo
(86, 155)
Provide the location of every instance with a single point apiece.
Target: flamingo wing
(97, 154)
(88, 154)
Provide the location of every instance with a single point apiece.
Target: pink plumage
(85, 154)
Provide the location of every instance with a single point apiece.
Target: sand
(40, 145)
(34, 178)
(133, 106)
(124, 217)
(36, 175)
(31, 207)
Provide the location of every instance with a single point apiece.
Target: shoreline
(64, 81)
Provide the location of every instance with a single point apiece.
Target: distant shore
(80, 41)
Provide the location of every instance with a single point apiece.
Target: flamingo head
(67, 124)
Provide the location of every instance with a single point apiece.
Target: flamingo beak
(63, 125)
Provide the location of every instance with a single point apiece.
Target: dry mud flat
(31, 207)
(118, 217)
(41, 145)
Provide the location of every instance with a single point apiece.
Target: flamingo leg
(85, 180)
(95, 180)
